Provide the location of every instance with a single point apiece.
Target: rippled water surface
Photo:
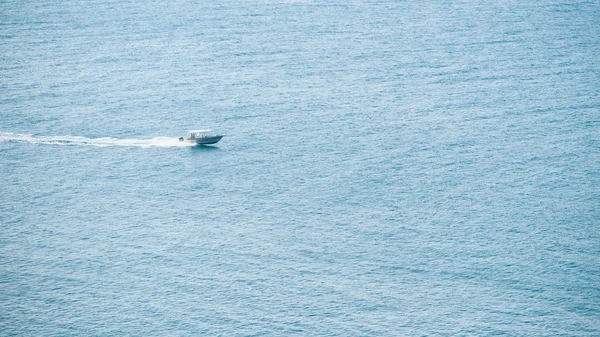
(389, 168)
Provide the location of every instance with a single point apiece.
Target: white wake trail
(98, 142)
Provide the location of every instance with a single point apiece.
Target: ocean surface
(390, 168)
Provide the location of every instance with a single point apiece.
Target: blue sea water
(390, 168)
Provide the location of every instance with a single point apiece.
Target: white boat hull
(204, 140)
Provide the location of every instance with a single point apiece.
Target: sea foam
(98, 142)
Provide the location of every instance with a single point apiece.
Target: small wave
(98, 142)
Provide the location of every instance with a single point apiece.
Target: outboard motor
(181, 139)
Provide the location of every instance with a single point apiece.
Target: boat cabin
(200, 133)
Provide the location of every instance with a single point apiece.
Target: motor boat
(201, 137)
